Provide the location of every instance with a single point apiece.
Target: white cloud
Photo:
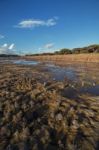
(32, 23)
(11, 46)
(49, 45)
(1, 36)
(7, 49)
(5, 45)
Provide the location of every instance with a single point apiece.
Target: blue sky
(32, 26)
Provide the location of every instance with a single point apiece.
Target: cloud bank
(32, 23)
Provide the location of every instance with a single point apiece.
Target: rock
(59, 117)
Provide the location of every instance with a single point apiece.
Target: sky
(36, 26)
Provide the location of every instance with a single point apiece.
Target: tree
(64, 51)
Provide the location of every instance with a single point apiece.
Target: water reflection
(25, 62)
(60, 73)
(81, 76)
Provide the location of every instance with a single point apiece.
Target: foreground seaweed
(36, 115)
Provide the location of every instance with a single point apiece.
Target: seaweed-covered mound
(37, 116)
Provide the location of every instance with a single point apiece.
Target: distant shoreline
(64, 58)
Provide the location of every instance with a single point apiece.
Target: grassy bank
(67, 58)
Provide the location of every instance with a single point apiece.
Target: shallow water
(25, 62)
(18, 61)
(60, 73)
(84, 77)
(94, 90)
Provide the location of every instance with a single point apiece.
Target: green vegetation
(9, 55)
(64, 51)
(89, 49)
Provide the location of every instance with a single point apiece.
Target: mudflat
(39, 110)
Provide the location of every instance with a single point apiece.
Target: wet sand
(39, 111)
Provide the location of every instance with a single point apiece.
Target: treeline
(40, 54)
(88, 49)
(8, 55)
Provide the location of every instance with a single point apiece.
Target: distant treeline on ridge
(88, 49)
(9, 55)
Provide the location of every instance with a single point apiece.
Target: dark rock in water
(97, 147)
(23, 146)
(1, 114)
(12, 147)
(30, 116)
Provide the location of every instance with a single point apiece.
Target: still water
(25, 62)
